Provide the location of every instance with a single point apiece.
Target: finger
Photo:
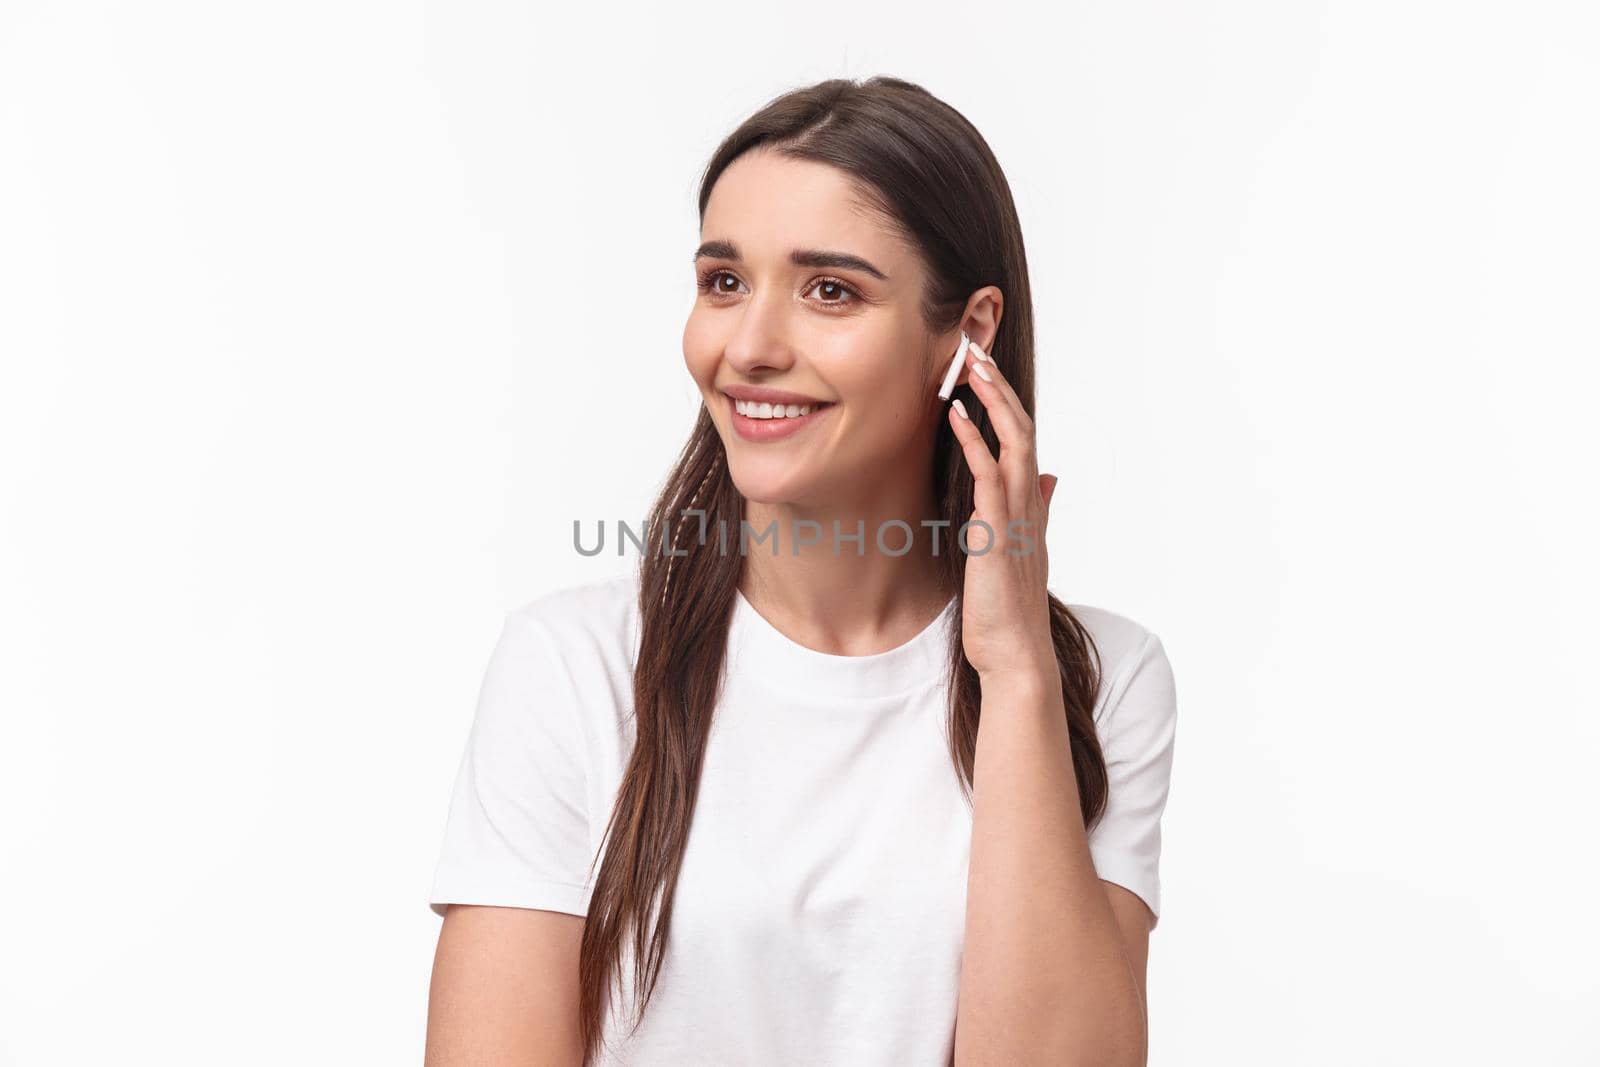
(1018, 458)
(976, 356)
(1047, 489)
(988, 486)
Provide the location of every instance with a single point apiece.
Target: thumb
(1047, 486)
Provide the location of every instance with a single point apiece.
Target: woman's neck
(874, 586)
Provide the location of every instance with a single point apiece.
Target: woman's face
(844, 336)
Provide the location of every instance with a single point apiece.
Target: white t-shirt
(821, 904)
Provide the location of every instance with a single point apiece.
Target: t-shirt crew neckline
(757, 646)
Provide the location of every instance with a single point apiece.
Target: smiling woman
(871, 807)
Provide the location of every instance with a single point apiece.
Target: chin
(765, 490)
(767, 486)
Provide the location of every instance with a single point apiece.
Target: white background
(321, 322)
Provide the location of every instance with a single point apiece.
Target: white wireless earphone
(954, 372)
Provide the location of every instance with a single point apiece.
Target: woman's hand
(1005, 602)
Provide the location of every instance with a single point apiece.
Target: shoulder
(1131, 656)
(598, 607)
(584, 623)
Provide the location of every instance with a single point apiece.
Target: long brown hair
(929, 174)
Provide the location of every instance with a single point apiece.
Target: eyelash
(707, 277)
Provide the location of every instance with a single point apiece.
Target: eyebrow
(800, 257)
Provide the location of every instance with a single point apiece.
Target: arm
(505, 989)
(1047, 976)
(510, 883)
(1053, 966)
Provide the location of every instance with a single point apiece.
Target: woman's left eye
(837, 287)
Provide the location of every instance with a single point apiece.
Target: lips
(773, 429)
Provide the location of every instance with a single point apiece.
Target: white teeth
(753, 410)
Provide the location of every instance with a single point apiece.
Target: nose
(761, 339)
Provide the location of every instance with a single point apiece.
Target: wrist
(1035, 674)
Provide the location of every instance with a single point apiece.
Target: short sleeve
(1137, 727)
(517, 833)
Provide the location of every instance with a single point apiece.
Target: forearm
(1044, 975)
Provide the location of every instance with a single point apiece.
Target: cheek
(891, 402)
(699, 352)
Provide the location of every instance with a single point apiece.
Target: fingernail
(961, 409)
(983, 357)
(977, 368)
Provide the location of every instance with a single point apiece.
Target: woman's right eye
(711, 281)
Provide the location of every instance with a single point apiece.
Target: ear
(981, 319)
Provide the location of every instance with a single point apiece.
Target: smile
(750, 409)
(761, 421)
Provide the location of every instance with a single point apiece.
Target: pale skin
(1054, 960)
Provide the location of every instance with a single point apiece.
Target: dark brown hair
(930, 175)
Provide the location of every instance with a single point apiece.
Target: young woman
(834, 778)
